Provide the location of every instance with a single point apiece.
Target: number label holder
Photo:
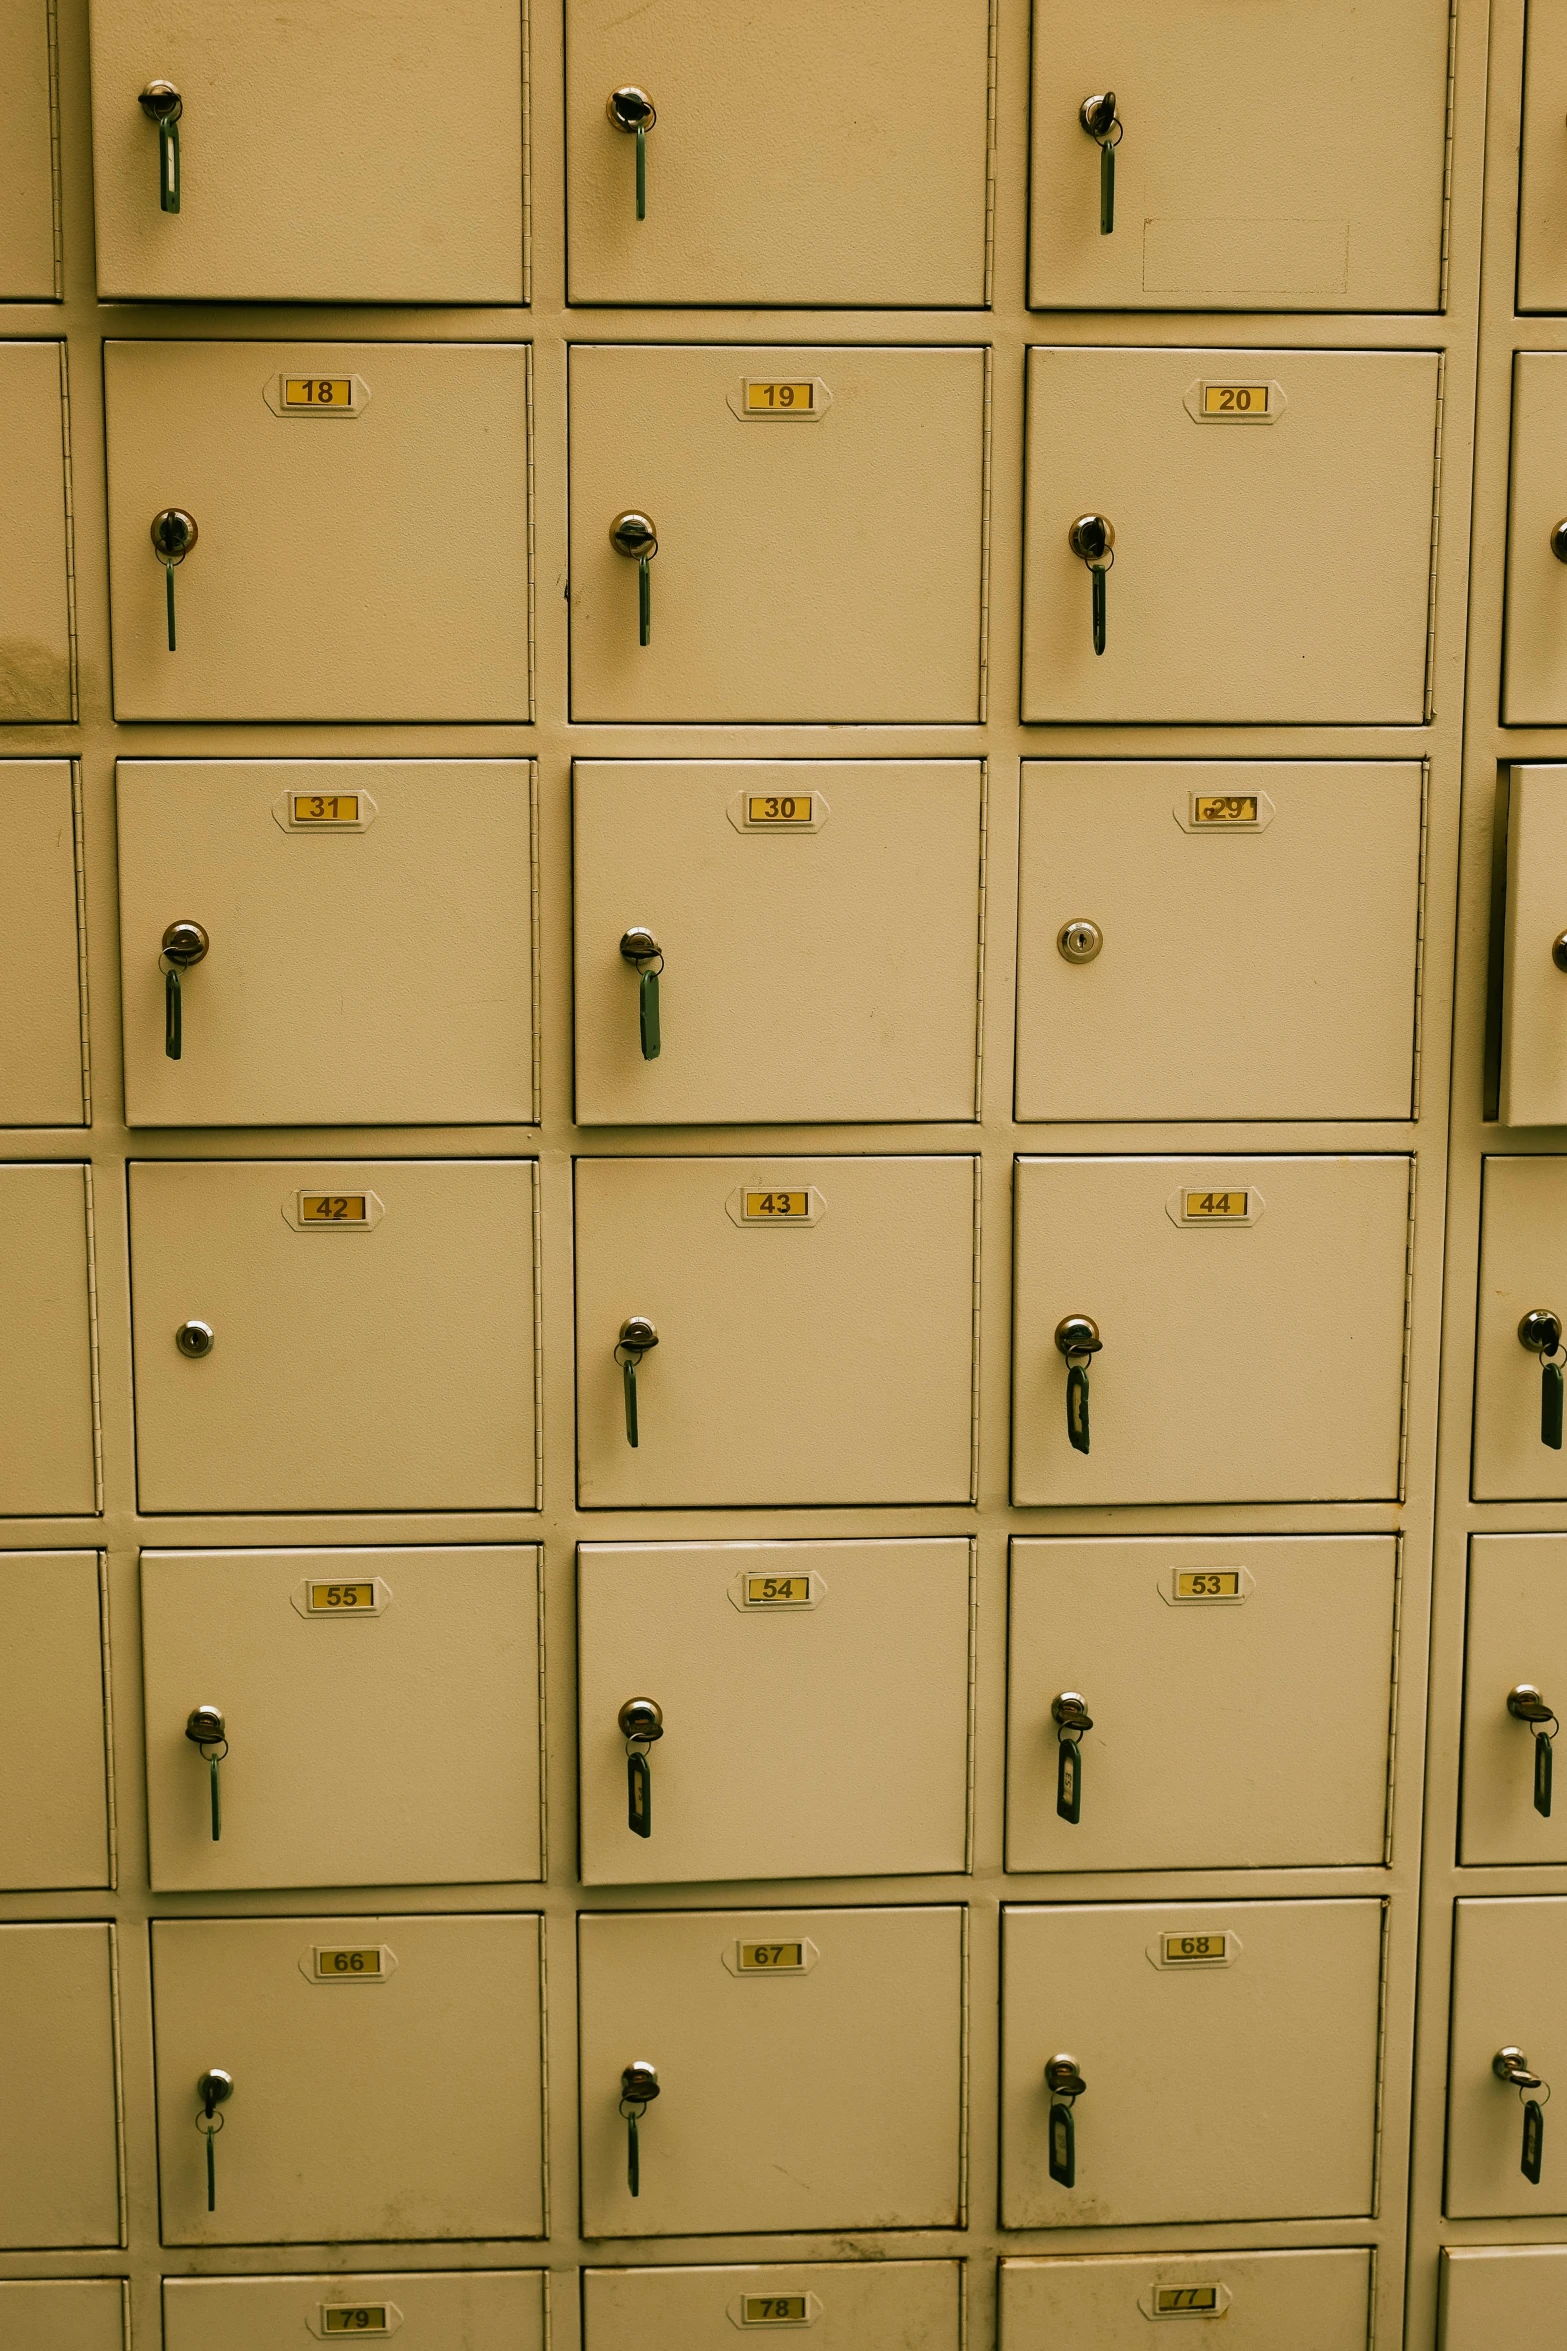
(292, 811)
(285, 394)
(775, 2310)
(796, 1956)
(367, 2320)
(778, 814)
(1215, 1207)
(1189, 1954)
(759, 1592)
(308, 1598)
(1224, 816)
(744, 1206)
(362, 1212)
(326, 1963)
(1209, 2298)
(1234, 400)
(748, 402)
(1184, 1587)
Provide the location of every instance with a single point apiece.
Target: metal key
(1098, 118)
(643, 952)
(173, 534)
(641, 1723)
(633, 110)
(637, 1336)
(182, 944)
(1069, 1712)
(633, 534)
(1077, 1336)
(1512, 2066)
(161, 103)
(1064, 2081)
(1525, 1704)
(638, 2089)
(1092, 539)
(1541, 1332)
(215, 2088)
(205, 1729)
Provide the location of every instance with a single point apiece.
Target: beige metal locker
(42, 985)
(362, 530)
(1534, 995)
(27, 193)
(808, 2061)
(60, 2151)
(63, 2314)
(386, 2077)
(1534, 673)
(48, 1444)
(368, 1673)
(1515, 1641)
(1218, 939)
(370, 941)
(849, 2305)
(1523, 1273)
(1249, 1315)
(1508, 1962)
(823, 1657)
(818, 925)
(334, 1334)
(818, 516)
(458, 2310)
(326, 153)
(814, 1329)
(1542, 193)
(783, 164)
(1229, 2051)
(1244, 176)
(1240, 1696)
(54, 1738)
(1302, 2301)
(1501, 2293)
(37, 634)
(1272, 514)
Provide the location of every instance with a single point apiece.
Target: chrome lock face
(173, 534)
(638, 1333)
(1069, 1712)
(641, 1718)
(1559, 541)
(1097, 115)
(204, 1726)
(1511, 2065)
(1559, 950)
(194, 1338)
(1078, 1334)
(1525, 1704)
(215, 2089)
(1092, 538)
(161, 102)
(639, 946)
(1079, 941)
(634, 534)
(1063, 2077)
(631, 109)
(639, 2083)
(1540, 1331)
(184, 943)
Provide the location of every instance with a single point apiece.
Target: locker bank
(783, 1174)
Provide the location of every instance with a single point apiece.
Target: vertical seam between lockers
(963, 2065)
(1436, 538)
(123, 2192)
(991, 83)
(1447, 158)
(111, 1811)
(533, 654)
(1392, 1704)
(544, 2079)
(1409, 1316)
(534, 904)
(984, 544)
(1377, 2133)
(979, 975)
(70, 530)
(92, 1341)
(78, 829)
(527, 166)
(973, 1699)
(1371, 2300)
(973, 1422)
(538, 1338)
(544, 1782)
(56, 186)
(1420, 935)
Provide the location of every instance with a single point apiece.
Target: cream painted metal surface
(409, 2107)
(1499, 2293)
(1542, 193)
(1534, 678)
(1244, 176)
(41, 983)
(846, 196)
(60, 2151)
(851, 2305)
(63, 2314)
(326, 154)
(1523, 1266)
(1303, 2301)
(27, 202)
(37, 648)
(1245, 2090)
(1515, 1632)
(1260, 921)
(815, 1357)
(373, 968)
(54, 1825)
(1508, 1957)
(375, 1364)
(1228, 1732)
(458, 2310)
(349, 1682)
(822, 564)
(1534, 998)
(820, 1657)
(1245, 1357)
(365, 563)
(818, 965)
(48, 1447)
(821, 2097)
(1270, 566)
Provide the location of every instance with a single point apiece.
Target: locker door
(1264, 2301)
(1523, 1272)
(370, 957)
(1243, 176)
(334, 1334)
(818, 925)
(40, 967)
(851, 2305)
(814, 1328)
(360, 1671)
(1250, 1318)
(37, 667)
(59, 2153)
(1534, 999)
(1246, 1999)
(782, 166)
(1515, 1641)
(818, 519)
(402, 2101)
(393, 172)
(1272, 514)
(1233, 939)
(1542, 194)
(54, 1825)
(808, 2066)
(1534, 671)
(63, 2314)
(27, 262)
(463, 2310)
(819, 1656)
(1183, 1653)
(48, 1453)
(1498, 2293)
(1508, 1958)
(362, 521)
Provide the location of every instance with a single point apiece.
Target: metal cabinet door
(1229, 2083)
(366, 1673)
(1243, 176)
(1240, 1693)
(28, 265)
(809, 2066)
(1251, 1318)
(818, 1657)
(1534, 667)
(1509, 1957)
(54, 1743)
(327, 154)
(819, 927)
(41, 969)
(784, 165)
(815, 1326)
(1218, 939)
(372, 1334)
(1316, 2301)
(354, 561)
(48, 1448)
(850, 2305)
(63, 2314)
(37, 662)
(59, 2152)
(819, 559)
(1523, 1269)
(371, 949)
(1534, 989)
(431, 2310)
(403, 2103)
(1272, 513)
(1515, 1633)
(1542, 193)
(1500, 2293)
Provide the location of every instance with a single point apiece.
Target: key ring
(209, 2124)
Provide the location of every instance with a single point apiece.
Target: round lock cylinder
(634, 534)
(638, 1333)
(1559, 541)
(1092, 538)
(1097, 115)
(173, 534)
(215, 2088)
(639, 2083)
(641, 1719)
(1525, 1704)
(631, 109)
(204, 1726)
(1540, 1331)
(161, 102)
(639, 946)
(1559, 950)
(1078, 1334)
(1080, 940)
(194, 1338)
(185, 943)
(1063, 2076)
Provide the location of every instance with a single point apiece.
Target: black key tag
(1069, 1781)
(639, 1795)
(1543, 1766)
(1077, 1407)
(1063, 2146)
(1551, 1406)
(1533, 2141)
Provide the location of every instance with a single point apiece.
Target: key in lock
(635, 536)
(1077, 1338)
(161, 103)
(641, 1722)
(1069, 1712)
(207, 1732)
(1065, 2083)
(642, 951)
(1512, 2067)
(1098, 118)
(1525, 1704)
(637, 1338)
(639, 2086)
(1540, 1332)
(633, 111)
(183, 944)
(173, 535)
(214, 2088)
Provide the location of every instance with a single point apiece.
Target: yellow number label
(1194, 1950)
(774, 808)
(778, 1204)
(331, 1207)
(326, 807)
(777, 1591)
(334, 1966)
(1215, 1204)
(326, 1599)
(365, 2318)
(780, 399)
(1224, 808)
(1209, 1583)
(1174, 2301)
(318, 391)
(762, 2310)
(777, 1958)
(1235, 400)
